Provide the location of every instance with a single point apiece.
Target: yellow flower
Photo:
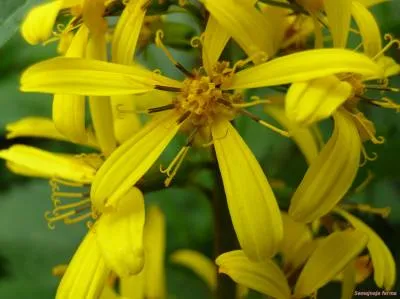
(331, 255)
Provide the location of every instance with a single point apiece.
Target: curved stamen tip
(197, 41)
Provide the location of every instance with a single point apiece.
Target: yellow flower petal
(382, 259)
(264, 277)
(100, 107)
(214, 42)
(154, 241)
(303, 66)
(368, 3)
(254, 211)
(248, 27)
(296, 236)
(130, 161)
(127, 31)
(328, 259)
(389, 65)
(91, 77)
(338, 13)
(108, 293)
(303, 137)
(86, 274)
(120, 234)
(92, 15)
(349, 281)
(33, 127)
(199, 264)
(69, 110)
(50, 164)
(132, 287)
(310, 101)
(38, 24)
(331, 175)
(369, 29)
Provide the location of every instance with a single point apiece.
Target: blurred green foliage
(29, 250)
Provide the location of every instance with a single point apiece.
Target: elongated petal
(126, 121)
(303, 137)
(92, 15)
(127, 31)
(310, 101)
(331, 175)
(369, 29)
(390, 66)
(215, 40)
(296, 235)
(33, 127)
(338, 13)
(120, 235)
(330, 257)
(368, 3)
(264, 277)
(90, 77)
(244, 23)
(69, 110)
(87, 272)
(132, 287)
(199, 264)
(349, 281)
(155, 244)
(49, 164)
(131, 160)
(303, 66)
(254, 211)
(382, 259)
(38, 24)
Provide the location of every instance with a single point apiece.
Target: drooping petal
(252, 205)
(92, 16)
(310, 101)
(215, 40)
(330, 175)
(296, 235)
(338, 13)
(120, 235)
(264, 277)
(390, 66)
(128, 163)
(328, 259)
(69, 110)
(49, 164)
(87, 272)
(303, 66)
(127, 31)
(90, 77)
(33, 127)
(38, 24)
(382, 259)
(303, 137)
(248, 27)
(369, 29)
(199, 264)
(100, 107)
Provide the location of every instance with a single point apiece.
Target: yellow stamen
(241, 63)
(383, 212)
(387, 103)
(196, 41)
(367, 157)
(264, 123)
(254, 102)
(392, 41)
(365, 183)
(174, 166)
(83, 203)
(69, 220)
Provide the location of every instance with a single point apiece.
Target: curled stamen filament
(387, 103)
(392, 41)
(365, 183)
(384, 212)
(174, 166)
(72, 205)
(366, 157)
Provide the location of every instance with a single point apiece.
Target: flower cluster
(299, 50)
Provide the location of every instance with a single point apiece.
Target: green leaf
(11, 14)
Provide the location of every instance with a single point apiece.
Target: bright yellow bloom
(330, 256)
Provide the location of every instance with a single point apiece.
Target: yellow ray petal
(127, 31)
(215, 40)
(154, 241)
(251, 202)
(131, 160)
(120, 235)
(86, 274)
(382, 259)
(108, 293)
(331, 175)
(33, 127)
(244, 23)
(69, 110)
(91, 77)
(391, 68)
(303, 137)
(369, 29)
(310, 101)
(303, 66)
(296, 235)
(199, 264)
(349, 281)
(38, 24)
(264, 277)
(338, 13)
(368, 3)
(100, 107)
(52, 165)
(328, 259)
(92, 16)
(132, 287)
